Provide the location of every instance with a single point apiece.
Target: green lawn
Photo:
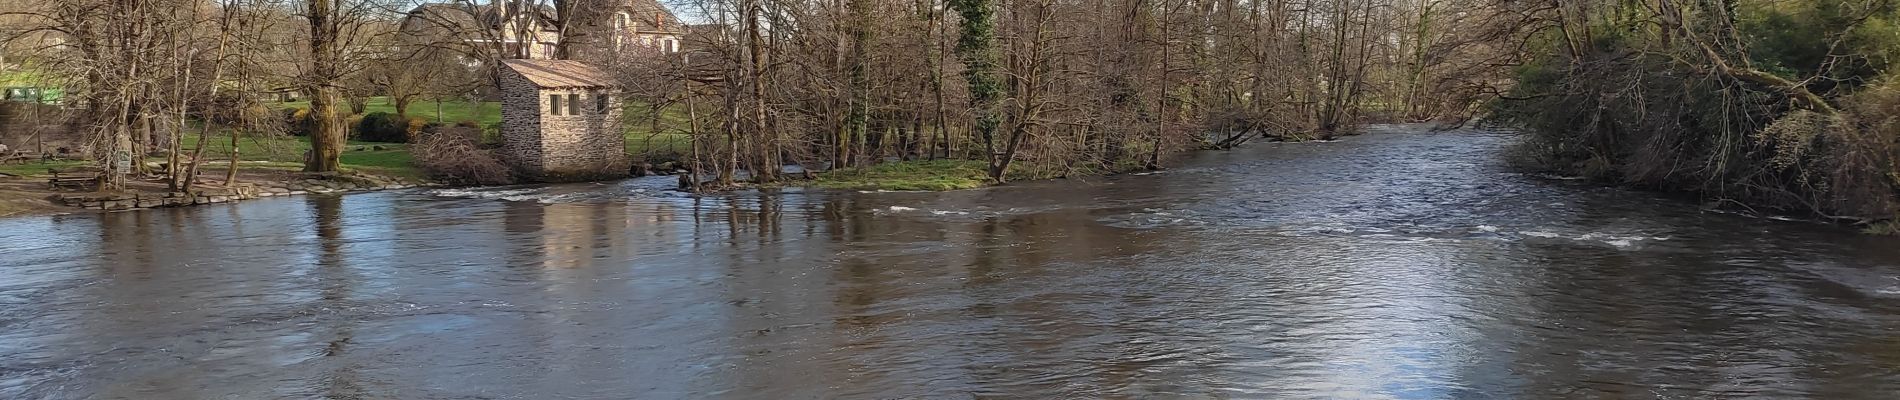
(645, 139)
(937, 175)
(273, 148)
(393, 159)
(669, 137)
(395, 162)
(642, 145)
(23, 76)
(37, 168)
(451, 111)
(386, 162)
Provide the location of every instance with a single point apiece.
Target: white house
(526, 31)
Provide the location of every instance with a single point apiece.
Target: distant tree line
(1047, 88)
(1030, 88)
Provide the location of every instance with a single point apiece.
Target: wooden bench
(76, 179)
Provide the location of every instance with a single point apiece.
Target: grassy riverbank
(378, 158)
(447, 112)
(23, 186)
(24, 189)
(943, 175)
(936, 175)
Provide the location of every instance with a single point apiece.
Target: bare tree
(341, 43)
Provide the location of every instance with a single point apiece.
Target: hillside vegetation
(1784, 105)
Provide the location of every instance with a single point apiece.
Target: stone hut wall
(568, 147)
(521, 123)
(590, 145)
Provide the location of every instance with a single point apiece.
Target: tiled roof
(654, 17)
(560, 73)
(465, 16)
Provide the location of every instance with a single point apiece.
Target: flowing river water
(1392, 265)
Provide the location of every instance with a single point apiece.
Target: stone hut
(560, 121)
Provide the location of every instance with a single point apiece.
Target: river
(1390, 265)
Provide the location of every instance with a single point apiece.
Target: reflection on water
(1394, 266)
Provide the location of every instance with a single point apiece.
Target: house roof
(648, 15)
(449, 15)
(705, 30)
(560, 73)
(465, 16)
(654, 17)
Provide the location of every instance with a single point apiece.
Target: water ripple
(1391, 265)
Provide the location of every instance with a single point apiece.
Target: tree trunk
(328, 137)
(935, 55)
(858, 116)
(765, 166)
(1161, 98)
(692, 132)
(230, 171)
(181, 93)
(190, 173)
(976, 46)
(402, 105)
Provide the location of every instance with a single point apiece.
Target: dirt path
(27, 196)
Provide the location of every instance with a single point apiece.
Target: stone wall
(521, 123)
(592, 145)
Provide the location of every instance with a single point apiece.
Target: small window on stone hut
(574, 104)
(600, 102)
(554, 104)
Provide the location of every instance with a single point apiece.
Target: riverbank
(927, 176)
(25, 190)
(958, 174)
(939, 176)
(374, 166)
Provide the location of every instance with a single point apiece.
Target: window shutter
(554, 103)
(573, 104)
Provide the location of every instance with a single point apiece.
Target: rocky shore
(328, 183)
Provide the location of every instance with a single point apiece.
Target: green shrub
(1629, 110)
(384, 128)
(352, 126)
(491, 134)
(297, 122)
